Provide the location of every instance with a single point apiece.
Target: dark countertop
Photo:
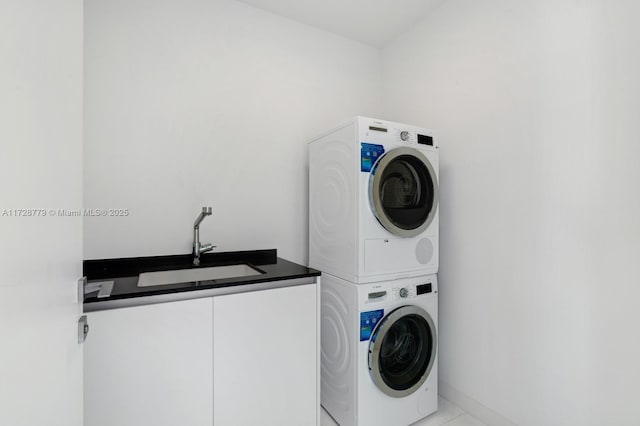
(124, 272)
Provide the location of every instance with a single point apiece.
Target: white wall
(536, 109)
(209, 102)
(535, 105)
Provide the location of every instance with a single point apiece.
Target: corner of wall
(472, 406)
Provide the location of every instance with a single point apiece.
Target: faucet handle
(206, 247)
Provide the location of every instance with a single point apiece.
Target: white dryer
(373, 201)
(379, 350)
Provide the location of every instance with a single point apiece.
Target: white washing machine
(373, 201)
(379, 350)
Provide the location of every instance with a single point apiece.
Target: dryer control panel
(397, 134)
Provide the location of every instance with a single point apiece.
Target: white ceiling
(370, 21)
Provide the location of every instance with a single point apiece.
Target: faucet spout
(199, 248)
(206, 211)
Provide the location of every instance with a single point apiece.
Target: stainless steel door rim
(376, 185)
(377, 340)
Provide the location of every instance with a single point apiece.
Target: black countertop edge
(129, 266)
(124, 273)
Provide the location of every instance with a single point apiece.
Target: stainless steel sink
(148, 279)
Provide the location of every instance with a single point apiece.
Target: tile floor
(448, 414)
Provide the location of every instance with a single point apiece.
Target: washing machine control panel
(411, 291)
(403, 292)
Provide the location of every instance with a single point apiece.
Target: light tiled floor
(448, 414)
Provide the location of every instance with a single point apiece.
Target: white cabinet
(242, 359)
(150, 365)
(265, 358)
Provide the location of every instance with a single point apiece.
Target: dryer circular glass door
(402, 350)
(403, 192)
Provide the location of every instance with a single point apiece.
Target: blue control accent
(369, 153)
(368, 321)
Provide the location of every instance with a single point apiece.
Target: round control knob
(404, 292)
(404, 135)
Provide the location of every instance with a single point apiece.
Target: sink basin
(148, 279)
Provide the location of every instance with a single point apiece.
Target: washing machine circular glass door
(403, 191)
(402, 350)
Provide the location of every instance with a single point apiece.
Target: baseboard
(473, 407)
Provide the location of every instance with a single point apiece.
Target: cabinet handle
(83, 329)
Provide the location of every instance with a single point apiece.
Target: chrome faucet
(198, 248)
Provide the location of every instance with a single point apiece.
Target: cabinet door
(265, 355)
(40, 175)
(150, 365)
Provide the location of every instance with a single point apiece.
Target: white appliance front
(379, 350)
(373, 203)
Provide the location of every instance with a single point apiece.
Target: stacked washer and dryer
(373, 232)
